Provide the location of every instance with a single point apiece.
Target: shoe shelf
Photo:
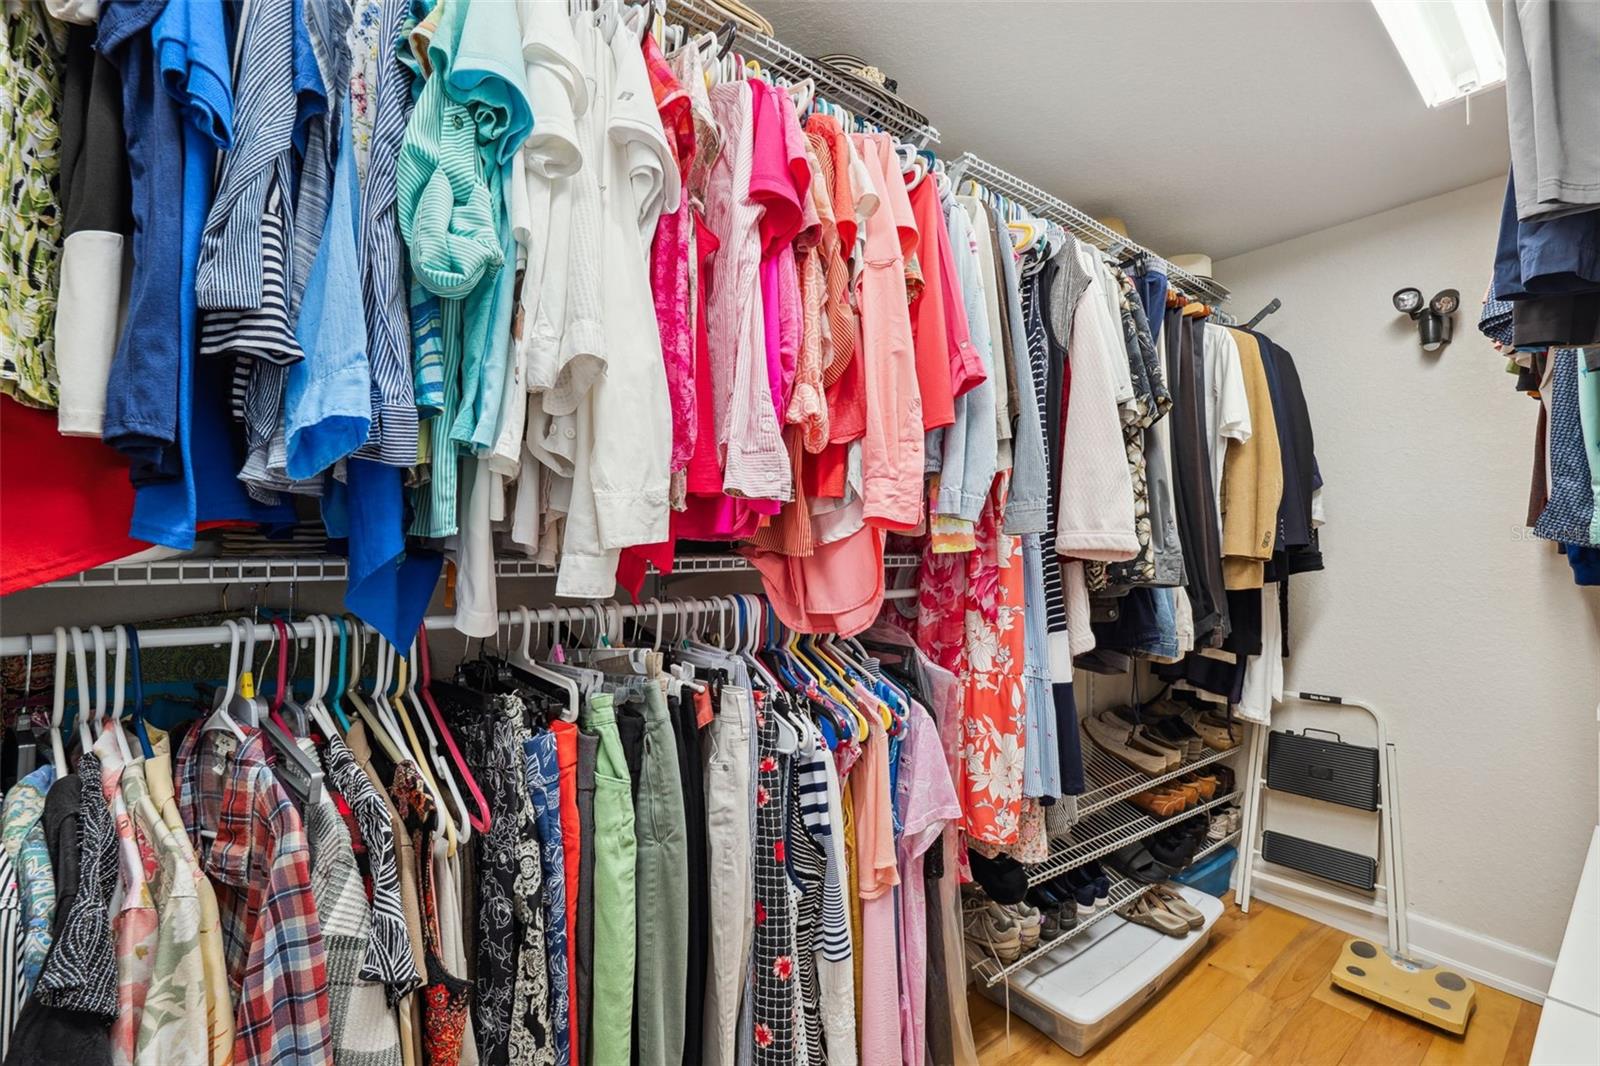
(1110, 779)
(991, 971)
(1108, 829)
(1213, 847)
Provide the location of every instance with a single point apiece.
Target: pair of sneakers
(1004, 931)
(1086, 887)
(1224, 821)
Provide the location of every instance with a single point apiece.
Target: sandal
(1173, 900)
(1147, 912)
(1135, 862)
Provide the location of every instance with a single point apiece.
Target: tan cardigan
(1252, 480)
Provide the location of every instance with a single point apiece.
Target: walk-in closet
(799, 533)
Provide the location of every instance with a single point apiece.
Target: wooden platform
(1260, 993)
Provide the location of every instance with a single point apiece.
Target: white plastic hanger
(321, 671)
(458, 828)
(220, 717)
(521, 658)
(58, 752)
(120, 695)
(84, 707)
(370, 708)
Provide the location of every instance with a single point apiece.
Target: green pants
(614, 908)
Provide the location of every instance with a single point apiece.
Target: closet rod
(199, 636)
(894, 116)
(1030, 196)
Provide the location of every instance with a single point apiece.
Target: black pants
(691, 772)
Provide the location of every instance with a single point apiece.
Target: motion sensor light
(1433, 319)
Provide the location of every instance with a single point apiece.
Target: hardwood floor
(1259, 995)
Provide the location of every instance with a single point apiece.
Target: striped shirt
(260, 863)
(383, 263)
(388, 958)
(12, 986)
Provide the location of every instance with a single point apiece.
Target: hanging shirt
(213, 964)
(134, 925)
(174, 1009)
(260, 863)
(22, 838)
(624, 427)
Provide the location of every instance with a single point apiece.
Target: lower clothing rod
(198, 636)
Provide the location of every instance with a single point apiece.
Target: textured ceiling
(1209, 127)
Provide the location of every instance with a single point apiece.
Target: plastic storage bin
(1214, 876)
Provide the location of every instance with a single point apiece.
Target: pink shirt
(892, 451)
(928, 803)
(755, 462)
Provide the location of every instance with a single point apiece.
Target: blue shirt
(191, 50)
(328, 400)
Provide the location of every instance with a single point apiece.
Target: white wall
(1436, 605)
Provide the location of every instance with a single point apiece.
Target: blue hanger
(138, 694)
(337, 693)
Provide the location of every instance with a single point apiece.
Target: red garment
(566, 734)
(65, 502)
(930, 333)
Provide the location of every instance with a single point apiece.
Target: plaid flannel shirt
(260, 863)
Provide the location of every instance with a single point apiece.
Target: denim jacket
(968, 454)
(1026, 500)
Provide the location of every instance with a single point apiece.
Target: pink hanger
(481, 820)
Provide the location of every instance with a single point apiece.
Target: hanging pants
(729, 848)
(662, 883)
(611, 1034)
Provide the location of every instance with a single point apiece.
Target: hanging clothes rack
(200, 636)
(1077, 222)
(896, 118)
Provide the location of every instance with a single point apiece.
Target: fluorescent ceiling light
(1449, 46)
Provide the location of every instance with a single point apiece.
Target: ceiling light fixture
(1449, 46)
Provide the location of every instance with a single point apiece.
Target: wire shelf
(1108, 829)
(1079, 222)
(1111, 779)
(991, 971)
(893, 116)
(256, 570)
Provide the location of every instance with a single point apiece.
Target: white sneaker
(990, 932)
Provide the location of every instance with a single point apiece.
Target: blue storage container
(1212, 876)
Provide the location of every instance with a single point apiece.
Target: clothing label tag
(1591, 359)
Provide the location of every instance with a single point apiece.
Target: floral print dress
(970, 621)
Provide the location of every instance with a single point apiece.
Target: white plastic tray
(1080, 992)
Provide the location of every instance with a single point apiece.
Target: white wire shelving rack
(884, 110)
(263, 570)
(991, 971)
(1124, 890)
(1111, 828)
(1080, 223)
(200, 636)
(1112, 779)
